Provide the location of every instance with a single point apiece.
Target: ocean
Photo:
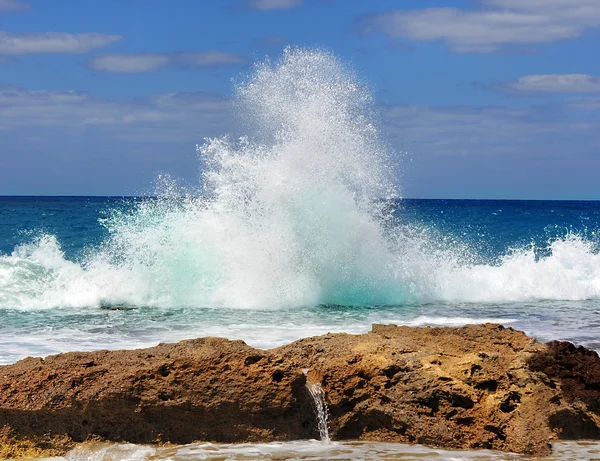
(296, 229)
(69, 281)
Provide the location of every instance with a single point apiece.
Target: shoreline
(472, 387)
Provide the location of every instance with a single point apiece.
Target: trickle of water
(318, 395)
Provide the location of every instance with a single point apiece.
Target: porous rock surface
(479, 386)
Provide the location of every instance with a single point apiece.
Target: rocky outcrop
(480, 386)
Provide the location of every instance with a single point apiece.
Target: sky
(479, 98)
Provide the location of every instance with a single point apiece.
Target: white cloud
(496, 24)
(13, 5)
(467, 130)
(208, 59)
(173, 116)
(148, 62)
(554, 83)
(53, 42)
(266, 5)
(108, 146)
(546, 151)
(46, 124)
(129, 63)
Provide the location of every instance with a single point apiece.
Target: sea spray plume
(314, 110)
(289, 215)
(311, 124)
(302, 195)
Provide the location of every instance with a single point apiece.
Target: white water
(315, 451)
(288, 216)
(37, 276)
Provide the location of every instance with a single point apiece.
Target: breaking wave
(296, 213)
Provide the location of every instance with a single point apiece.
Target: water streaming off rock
(320, 405)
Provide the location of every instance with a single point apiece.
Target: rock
(479, 386)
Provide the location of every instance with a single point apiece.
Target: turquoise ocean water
(296, 228)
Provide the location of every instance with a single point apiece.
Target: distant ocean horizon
(142, 196)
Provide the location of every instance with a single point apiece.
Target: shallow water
(45, 332)
(315, 450)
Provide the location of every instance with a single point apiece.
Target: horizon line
(125, 196)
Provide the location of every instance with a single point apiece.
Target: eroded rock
(479, 386)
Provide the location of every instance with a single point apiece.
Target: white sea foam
(571, 272)
(290, 215)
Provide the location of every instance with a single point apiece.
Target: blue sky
(489, 98)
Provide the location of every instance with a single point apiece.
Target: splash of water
(293, 214)
(288, 217)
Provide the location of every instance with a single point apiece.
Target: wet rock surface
(479, 386)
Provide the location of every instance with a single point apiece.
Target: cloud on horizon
(537, 152)
(528, 139)
(132, 63)
(428, 130)
(584, 104)
(159, 132)
(496, 25)
(165, 116)
(552, 83)
(15, 44)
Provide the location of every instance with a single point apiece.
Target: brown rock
(480, 386)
